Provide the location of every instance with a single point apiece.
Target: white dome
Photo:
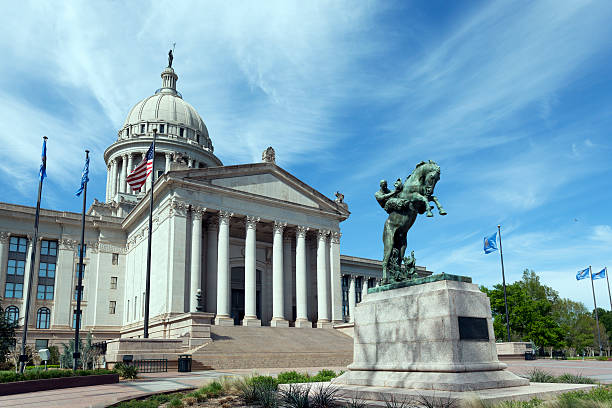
(166, 107)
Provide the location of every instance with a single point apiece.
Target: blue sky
(512, 99)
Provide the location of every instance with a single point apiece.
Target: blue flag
(43, 164)
(583, 274)
(84, 177)
(490, 244)
(600, 275)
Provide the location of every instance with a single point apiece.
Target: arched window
(12, 314)
(43, 318)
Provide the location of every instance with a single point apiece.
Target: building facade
(243, 244)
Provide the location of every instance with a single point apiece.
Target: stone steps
(271, 347)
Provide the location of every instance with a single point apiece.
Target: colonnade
(352, 301)
(119, 167)
(218, 285)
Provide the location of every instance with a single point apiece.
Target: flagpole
(23, 358)
(610, 296)
(501, 254)
(148, 278)
(76, 355)
(596, 314)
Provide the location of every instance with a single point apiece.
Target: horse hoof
(443, 212)
(429, 214)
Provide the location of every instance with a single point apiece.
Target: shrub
(176, 403)
(541, 376)
(292, 377)
(212, 389)
(324, 397)
(397, 403)
(356, 403)
(574, 379)
(41, 374)
(324, 376)
(296, 396)
(264, 380)
(126, 371)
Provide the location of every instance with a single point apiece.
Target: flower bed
(40, 380)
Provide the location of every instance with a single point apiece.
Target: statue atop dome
(170, 58)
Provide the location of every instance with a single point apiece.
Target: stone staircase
(274, 347)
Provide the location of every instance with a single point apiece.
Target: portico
(258, 257)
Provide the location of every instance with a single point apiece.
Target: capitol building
(247, 244)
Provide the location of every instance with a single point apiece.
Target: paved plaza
(104, 395)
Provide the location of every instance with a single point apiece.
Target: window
(79, 251)
(198, 138)
(44, 292)
(46, 270)
(112, 306)
(16, 267)
(371, 283)
(358, 287)
(41, 344)
(113, 282)
(345, 296)
(76, 291)
(18, 244)
(48, 248)
(142, 128)
(43, 318)
(143, 305)
(161, 129)
(82, 271)
(135, 308)
(12, 314)
(128, 311)
(13, 290)
(127, 131)
(181, 132)
(115, 259)
(74, 320)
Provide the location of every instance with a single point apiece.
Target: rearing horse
(413, 199)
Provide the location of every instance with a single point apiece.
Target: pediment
(265, 180)
(267, 185)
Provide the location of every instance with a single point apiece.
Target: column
(288, 277)
(4, 247)
(301, 289)
(29, 283)
(364, 287)
(223, 272)
(250, 274)
(336, 277)
(113, 179)
(108, 182)
(168, 158)
(124, 174)
(190, 163)
(61, 313)
(278, 301)
(351, 298)
(322, 295)
(212, 232)
(130, 167)
(196, 256)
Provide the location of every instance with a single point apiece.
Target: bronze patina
(403, 204)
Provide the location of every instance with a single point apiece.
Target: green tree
(530, 307)
(7, 335)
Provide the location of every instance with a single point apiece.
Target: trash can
(184, 363)
(530, 355)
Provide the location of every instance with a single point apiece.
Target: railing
(151, 365)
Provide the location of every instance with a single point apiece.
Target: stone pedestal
(303, 323)
(251, 322)
(277, 322)
(432, 333)
(142, 349)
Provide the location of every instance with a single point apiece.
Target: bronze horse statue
(403, 205)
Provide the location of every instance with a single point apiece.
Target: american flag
(139, 175)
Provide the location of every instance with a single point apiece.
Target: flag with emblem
(139, 175)
(583, 274)
(490, 244)
(600, 275)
